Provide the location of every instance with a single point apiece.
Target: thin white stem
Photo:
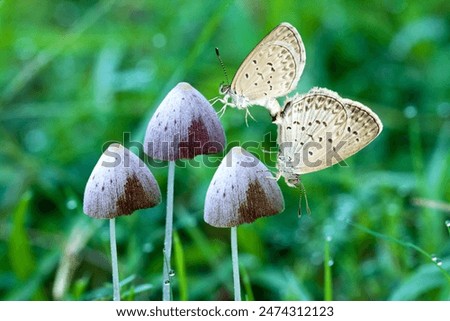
(234, 259)
(115, 268)
(168, 237)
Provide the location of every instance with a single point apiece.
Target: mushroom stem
(166, 287)
(235, 261)
(115, 268)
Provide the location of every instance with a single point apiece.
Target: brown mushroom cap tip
(241, 191)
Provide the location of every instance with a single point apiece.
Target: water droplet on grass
(171, 273)
(148, 247)
(71, 204)
(330, 262)
(447, 223)
(436, 260)
(410, 112)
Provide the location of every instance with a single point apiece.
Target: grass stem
(327, 262)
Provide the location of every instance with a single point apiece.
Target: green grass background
(75, 75)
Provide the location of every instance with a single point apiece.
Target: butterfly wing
(363, 126)
(273, 68)
(322, 129)
(310, 127)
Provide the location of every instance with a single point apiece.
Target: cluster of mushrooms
(183, 126)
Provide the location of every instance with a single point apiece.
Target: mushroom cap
(241, 191)
(183, 126)
(120, 183)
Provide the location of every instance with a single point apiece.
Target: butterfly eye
(224, 88)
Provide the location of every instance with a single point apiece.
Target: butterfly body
(271, 70)
(319, 129)
(240, 101)
(290, 177)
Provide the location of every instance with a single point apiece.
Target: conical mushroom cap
(241, 191)
(120, 183)
(183, 126)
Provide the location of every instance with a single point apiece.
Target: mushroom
(183, 126)
(119, 184)
(241, 191)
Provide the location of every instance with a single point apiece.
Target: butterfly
(319, 129)
(271, 70)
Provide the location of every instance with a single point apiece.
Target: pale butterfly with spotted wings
(271, 70)
(319, 129)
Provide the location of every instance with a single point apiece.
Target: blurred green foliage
(75, 75)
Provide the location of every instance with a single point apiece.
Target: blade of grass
(79, 288)
(19, 248)
(425, 233)
(130, 294)
(327, 262)
(405, 244)
(294, 288)
(180, 265)
(247, 285)
(283, 281)
(425, 279)
(80, 234)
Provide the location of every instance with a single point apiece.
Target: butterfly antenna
(222, 64)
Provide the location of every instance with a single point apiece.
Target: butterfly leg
(225, 103)
(215, 100)
(276, 177)
(221, 112)
(247, 113)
